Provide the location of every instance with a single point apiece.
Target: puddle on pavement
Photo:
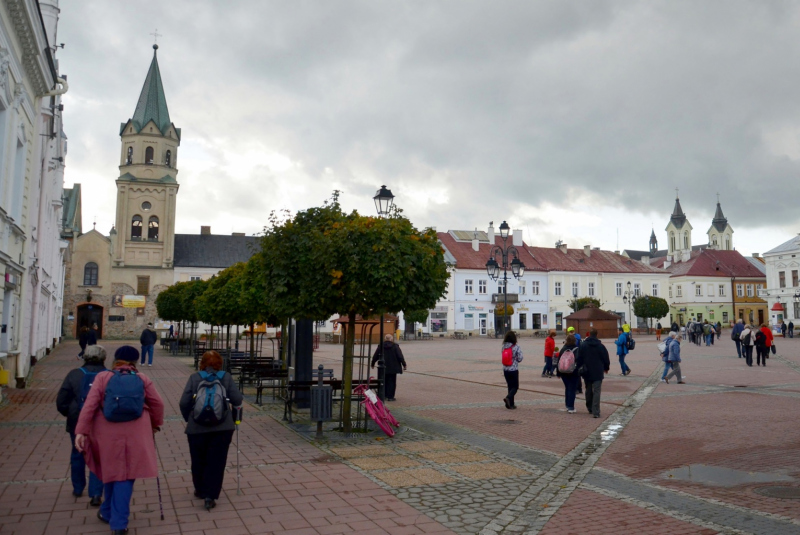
(721, 477)
(610, 432)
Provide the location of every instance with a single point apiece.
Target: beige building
(113, 280)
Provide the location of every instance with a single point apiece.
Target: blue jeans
(78, 469)
(147, 350)
(548, 366)
(667, 367)
(117, 503)
(625, 368)
(571, 383)
(708, 339)
(738, 347)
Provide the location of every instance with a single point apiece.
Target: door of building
(482, 324)
(760, 316)
(8, 322)
(89, 315)
(523, 322)
(559, 321)
(536, 321)
(469, 322)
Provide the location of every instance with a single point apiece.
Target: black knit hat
(127, 353)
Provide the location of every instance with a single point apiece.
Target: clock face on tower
(146, 206)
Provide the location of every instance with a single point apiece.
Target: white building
(32, 151)
(783, 272)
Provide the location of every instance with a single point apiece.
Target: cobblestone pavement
(665, 458)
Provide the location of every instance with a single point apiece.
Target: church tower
(679, 234)
(653, 243)
(720, 235)
(147, 187)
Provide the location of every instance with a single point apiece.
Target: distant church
(112, 281)
(679, 237)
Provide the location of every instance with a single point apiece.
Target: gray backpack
(210, 400)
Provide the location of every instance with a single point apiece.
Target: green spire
(152, 103)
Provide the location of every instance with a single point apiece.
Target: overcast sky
(571, 120)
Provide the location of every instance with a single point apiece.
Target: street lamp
(629, 297)
(383, 204)
(493, 267)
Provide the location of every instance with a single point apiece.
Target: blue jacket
(622, 344)
(668, 342)
(674, 352)
(737, 329)
(577, 339)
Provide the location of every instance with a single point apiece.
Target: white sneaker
(571, 411)
(149, 364)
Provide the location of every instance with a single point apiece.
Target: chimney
(563, 248)
(517, 240)
(587, 250)
(755, 255)
(667, 263)
(475, 244)
(233, 234)
(685, 256)
(491, 233)
(205, 231)
(646, 260)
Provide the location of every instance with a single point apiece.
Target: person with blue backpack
(69, 402)
(206, 407)
(115, 433)
(622, 350)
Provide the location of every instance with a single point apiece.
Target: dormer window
(168, 159)
(136, 227)
(129, 157)
(148, 156)
(152, 228)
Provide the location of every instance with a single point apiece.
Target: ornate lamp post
(629, 297)
(383, 204)
(493, 267)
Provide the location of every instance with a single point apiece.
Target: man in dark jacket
(69, 403)
(596, 364)
(736, 333)
(394, 362)
(148, 341)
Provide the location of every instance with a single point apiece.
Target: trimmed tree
(580, 303)
(415, 316)
(649, 307)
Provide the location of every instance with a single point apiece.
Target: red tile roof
(467, 258)
(599, 261)
(713, 263)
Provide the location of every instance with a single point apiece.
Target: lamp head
(504, 228)
(492, 268)
(383, 201)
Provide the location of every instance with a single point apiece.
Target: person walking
(394, 364)
(658, 331)
(549, 351)
(577, 336)
(119, 449)
(783, 329)
(767, 344)
(571, 380)
(209, 438)
(667, 364)
(622, 350)
(148, 340)
(674, 358)
(69, 402)
(748, 340)
(674, 327)
(596, 364)
(718, 328)
(511, 371)
(707, 334)
(698, 333)
(736, 336)
(791, 329)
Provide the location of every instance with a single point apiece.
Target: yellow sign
(133, 301)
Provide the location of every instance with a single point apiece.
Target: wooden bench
(293, 387)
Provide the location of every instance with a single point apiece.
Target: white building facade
(783, 281)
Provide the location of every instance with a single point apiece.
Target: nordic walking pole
(158, 479)
(238, 475)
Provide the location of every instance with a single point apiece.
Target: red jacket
(768, 335)
(549, 346)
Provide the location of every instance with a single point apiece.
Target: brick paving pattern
(462, 463)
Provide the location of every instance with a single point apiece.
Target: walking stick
(158, 479)
(238, 475)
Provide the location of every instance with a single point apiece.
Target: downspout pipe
(58, 90)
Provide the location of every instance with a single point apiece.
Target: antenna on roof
(617, 249)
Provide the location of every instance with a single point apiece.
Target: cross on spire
(676, 193)
(156, 35)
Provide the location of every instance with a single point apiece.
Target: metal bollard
(321, 399)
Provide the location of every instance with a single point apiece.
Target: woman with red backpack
(571, 379)
(512, 356)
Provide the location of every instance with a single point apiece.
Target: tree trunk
(252, 341)
(347, 373)
(228, 341)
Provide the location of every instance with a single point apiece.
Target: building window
(142, 285)
(724, 318)
(557, 289)
(794, 277)
(501, 287)
(655, 290)
(482, 287)
(129, 156)
(136, 227)
(152, 228)
(575, 289)
(740, 290)
(782, 279)
(670, 291)
(685, 240)
(195, 278)
(749, 290)
(721, 289)
(618, 289)
(711, 290)
(439, 322)
(168, 159)
(535, 288)
(698, 290)
(637, 289)
(90, 274)
(727, 244)
(523, 290)
(468, 286)
(679, 291)
(591, 289)
(148, 155)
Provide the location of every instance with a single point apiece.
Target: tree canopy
(580, 303)
(647, 306)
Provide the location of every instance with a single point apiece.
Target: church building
(112, 281)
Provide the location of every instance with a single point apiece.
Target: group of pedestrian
(579, 359)
(672, 358)
(747, 337)
(787, 329)
(114, 414)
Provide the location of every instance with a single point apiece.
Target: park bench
(293, 387)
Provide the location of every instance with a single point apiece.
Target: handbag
(774, 351)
